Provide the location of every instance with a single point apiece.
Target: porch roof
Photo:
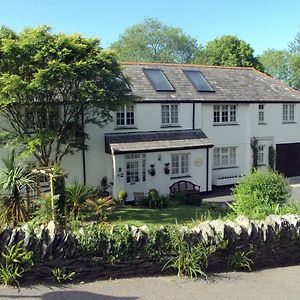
(153, 141)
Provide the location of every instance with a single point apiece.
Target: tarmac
(278, 283)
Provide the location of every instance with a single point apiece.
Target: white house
(198, 123)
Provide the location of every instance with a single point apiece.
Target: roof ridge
(184, 65)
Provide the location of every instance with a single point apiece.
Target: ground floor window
(180, 163)
(224, 157)
(135, 167)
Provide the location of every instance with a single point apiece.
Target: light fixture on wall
(159, 157)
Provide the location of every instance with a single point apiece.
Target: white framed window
(41, 118)
(180, 164)
(288, 113)
(169, 114)
(261, 154)
(261, 113)
(224, 114)
(126, 116)
(135, 168)
(224, 157)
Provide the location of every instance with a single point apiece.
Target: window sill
(225, 124)
(229, 167)
(125, 127)
(179, 177)
(262, 123)
(289, 122)
(170, 126)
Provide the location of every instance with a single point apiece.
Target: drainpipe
(207, 168)
(83, 150)
(194, 112)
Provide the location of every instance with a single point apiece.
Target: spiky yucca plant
(13, 180)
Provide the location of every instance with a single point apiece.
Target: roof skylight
(198, 80)
(159, 80)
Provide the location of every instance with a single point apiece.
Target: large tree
(51, 86)
(277, 64)
(228, 51)
(294, 48)
(284, 65)
(152, 41)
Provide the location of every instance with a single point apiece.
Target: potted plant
(151, 171)
(166, 168)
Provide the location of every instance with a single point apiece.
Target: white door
(135, 175)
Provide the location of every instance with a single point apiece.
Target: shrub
(240, 261)
(122, 196)
(42, 210)
(107, 242)
(77, 194)
(100, 206)
(153, 193)
(194, 199)
(161, 241)
(260, 192)
(62, 275)
(181, 198)
(191, 260)
(154, 200)
(17, 259)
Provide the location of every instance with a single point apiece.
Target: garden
(73, 229)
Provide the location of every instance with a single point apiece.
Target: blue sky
(262, 23)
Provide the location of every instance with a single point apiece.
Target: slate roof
(231, 84)
(152, 141)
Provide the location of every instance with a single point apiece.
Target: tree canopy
(51, 86)
(284, 65)
(277, 64)
(228, 51)
(153, 41)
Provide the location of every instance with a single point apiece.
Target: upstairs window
(224, 114)
(38, 118)
(261, 113)
(198, 81)
(288, 113)
(159, 80)
(169, 114)
(125, 116)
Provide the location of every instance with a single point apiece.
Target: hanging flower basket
(151, 171)
(167, 169)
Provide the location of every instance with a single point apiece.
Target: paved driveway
(279, 283)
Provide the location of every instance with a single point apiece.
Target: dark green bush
(185, 198)
(194, 199)
(181, 198)
(154, 200)
(259, 193)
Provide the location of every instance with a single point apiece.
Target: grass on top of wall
(139, 216)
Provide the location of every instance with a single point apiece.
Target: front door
(135, 175)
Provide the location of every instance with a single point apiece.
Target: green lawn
(139, 216)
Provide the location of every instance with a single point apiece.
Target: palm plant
(13, 180)
(100, 206)
(76, 194)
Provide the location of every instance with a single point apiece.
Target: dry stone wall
(272, 242)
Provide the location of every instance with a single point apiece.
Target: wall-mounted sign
(198, 162)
